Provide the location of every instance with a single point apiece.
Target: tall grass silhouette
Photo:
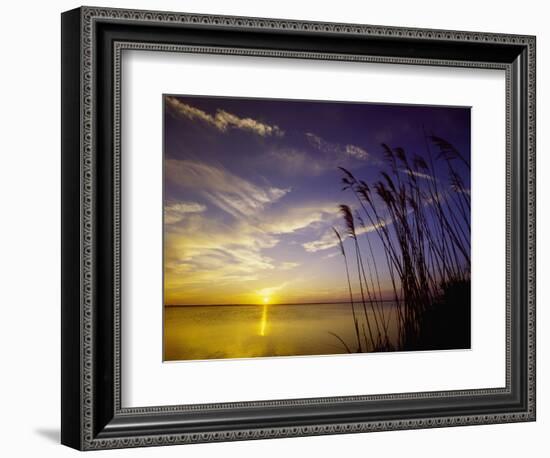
(420, 212)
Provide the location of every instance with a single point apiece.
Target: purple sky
(252, 189)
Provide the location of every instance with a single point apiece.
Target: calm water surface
(245, 331)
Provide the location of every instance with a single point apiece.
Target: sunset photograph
(302, 227)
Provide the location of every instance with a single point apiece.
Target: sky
(252, 189)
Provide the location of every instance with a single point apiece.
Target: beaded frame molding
(93, 40)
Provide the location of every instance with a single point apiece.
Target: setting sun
(266, 299)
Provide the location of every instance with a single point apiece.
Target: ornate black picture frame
(92, 42)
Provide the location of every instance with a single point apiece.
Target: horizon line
(282, 303)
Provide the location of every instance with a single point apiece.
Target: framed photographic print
(277, 228)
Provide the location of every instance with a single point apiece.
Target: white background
(148, 75)
(30, 244)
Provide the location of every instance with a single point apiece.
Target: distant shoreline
(261, 305)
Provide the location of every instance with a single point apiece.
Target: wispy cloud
(232, 194)
(328, 239)
(315, 156)
(289, 265)
(417, 174)
(202, 249)
(298, 160)
(299, 217)
(291, 162)
(331, 255)
(222, 120)
(371, 227)
(271, 290)
(174, 212)
(321, 144)
(357, 152)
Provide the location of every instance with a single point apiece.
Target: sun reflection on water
(263, 321)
